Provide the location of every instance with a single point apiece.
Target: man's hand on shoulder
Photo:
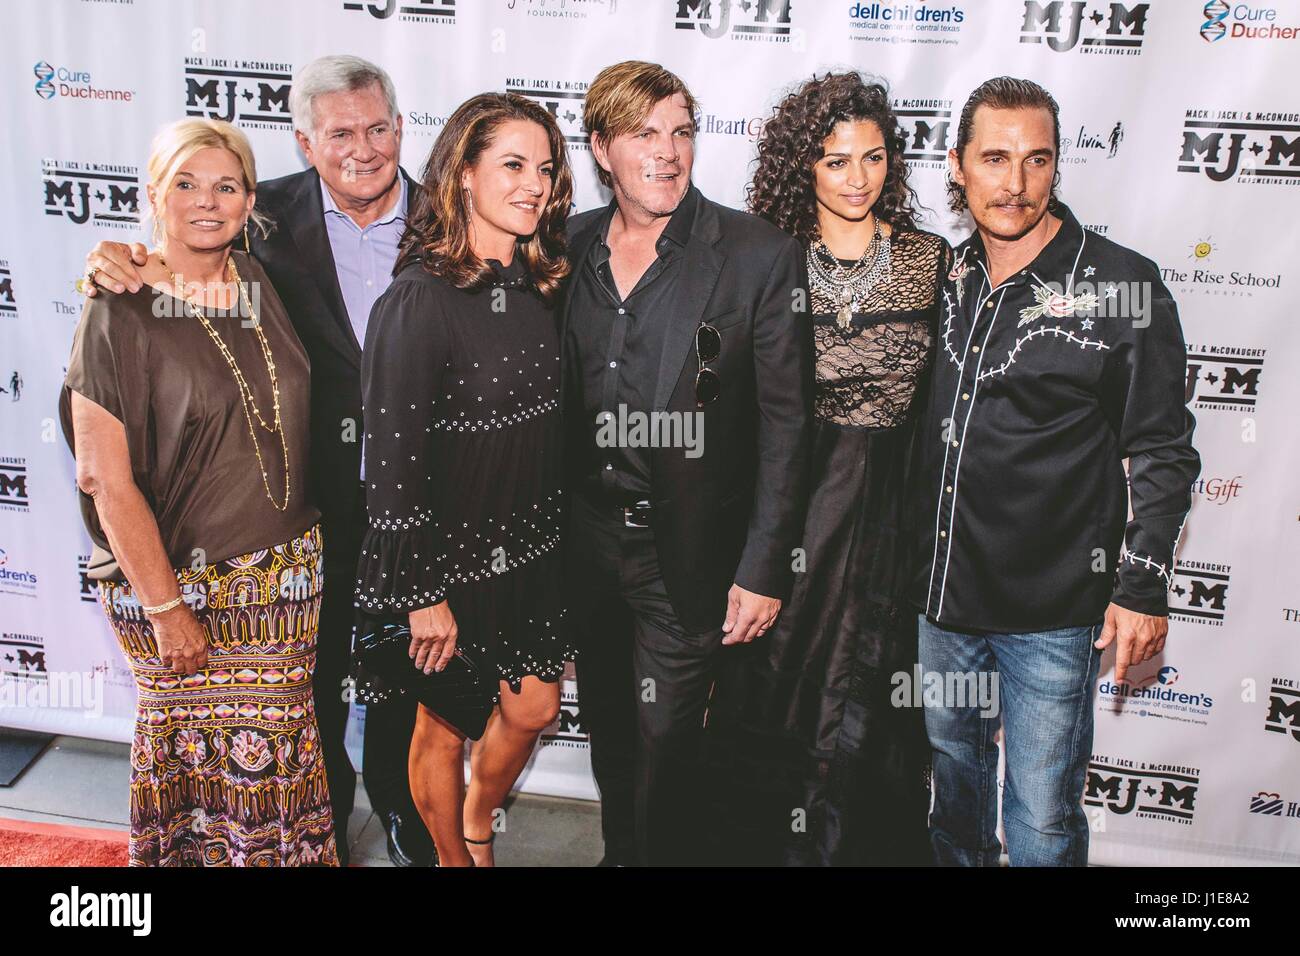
(114, 266)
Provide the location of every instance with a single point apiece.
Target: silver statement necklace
(847, 287)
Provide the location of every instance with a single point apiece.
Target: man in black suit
(329, 254)
(688, 383)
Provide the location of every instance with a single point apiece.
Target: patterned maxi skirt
(226, 768)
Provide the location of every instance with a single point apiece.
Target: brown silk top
(148, 361)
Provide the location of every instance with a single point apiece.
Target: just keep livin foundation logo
(1243, 146)
(1102, 28)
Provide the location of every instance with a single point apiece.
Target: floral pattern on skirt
(226, 768)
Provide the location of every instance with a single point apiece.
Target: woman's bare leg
(437, 771)
(497, 759)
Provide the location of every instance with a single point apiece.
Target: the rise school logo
(80, 192)
(757, 20)
(1154, 791)
(563, 99)
(251, 93)
(408, 11)
(1224, 377)
(1246, 146)
(1075, 25)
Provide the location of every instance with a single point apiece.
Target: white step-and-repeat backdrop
(1181, 137)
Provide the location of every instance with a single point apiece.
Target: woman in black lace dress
(460, 385)
(812, 764)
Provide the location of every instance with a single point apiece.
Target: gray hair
(335, 74)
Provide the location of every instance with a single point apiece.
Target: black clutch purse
(458, 694)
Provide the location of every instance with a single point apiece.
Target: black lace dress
(809, 762)
(463, 467)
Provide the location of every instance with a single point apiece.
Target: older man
(1059, 356)
(330, 256)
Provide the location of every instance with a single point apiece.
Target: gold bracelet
(159, 609)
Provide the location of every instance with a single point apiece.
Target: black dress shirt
(619, 343)
(1039, 393)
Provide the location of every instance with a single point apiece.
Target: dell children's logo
(1111, 28)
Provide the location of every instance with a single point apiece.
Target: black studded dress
(463, 466)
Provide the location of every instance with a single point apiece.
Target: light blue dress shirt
(363, 260)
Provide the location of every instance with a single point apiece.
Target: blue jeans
(1045, 684)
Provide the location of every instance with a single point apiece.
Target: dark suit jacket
(297, 257)
(735, 513)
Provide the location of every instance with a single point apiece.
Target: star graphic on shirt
(1090, 270)
(1112, 291)
(1087, 324)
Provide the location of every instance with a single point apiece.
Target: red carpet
(23, 843)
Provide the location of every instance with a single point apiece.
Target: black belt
(635, 514)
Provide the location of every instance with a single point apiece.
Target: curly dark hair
(782, 191)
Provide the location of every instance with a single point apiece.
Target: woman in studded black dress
(812, 763)
(462, 449)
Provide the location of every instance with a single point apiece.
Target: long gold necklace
(246, 397)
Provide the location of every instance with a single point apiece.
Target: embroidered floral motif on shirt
(1056, 304)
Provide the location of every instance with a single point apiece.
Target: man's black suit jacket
(297, 257)
(735, 513)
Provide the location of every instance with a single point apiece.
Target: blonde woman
(186, 408)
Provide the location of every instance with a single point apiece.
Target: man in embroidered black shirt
(1059, 356)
